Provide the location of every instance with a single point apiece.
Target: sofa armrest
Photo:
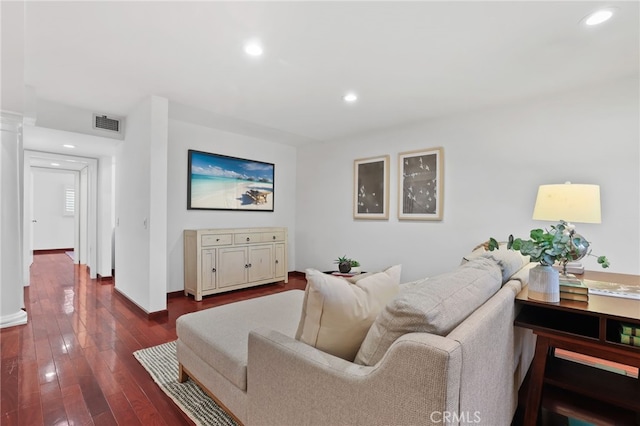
(289, 382)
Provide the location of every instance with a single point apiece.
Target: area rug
(162, 364)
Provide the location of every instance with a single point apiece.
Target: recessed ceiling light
(66, 145)
(55, 164)
(253, 48)
(598, 17)
(350, 97)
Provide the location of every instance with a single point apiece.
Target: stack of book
(574, 290)
(630, 334)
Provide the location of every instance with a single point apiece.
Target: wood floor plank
(143, 408)
(75, 406)
(105, 419)
(31, 415)
(122, 410)
(93, 396)
(28, 383)
(9, 419)
(9, 378)
(66, 373)
(10, 345)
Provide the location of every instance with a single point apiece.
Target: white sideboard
(218, 260)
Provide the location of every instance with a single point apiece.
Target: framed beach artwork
(421, 183)
(219, 182)
(371, 188)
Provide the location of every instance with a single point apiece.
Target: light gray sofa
(245, 356)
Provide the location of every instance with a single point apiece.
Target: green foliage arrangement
(352, 262)
(560, 244)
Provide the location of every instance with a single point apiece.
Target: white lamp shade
(569, 202)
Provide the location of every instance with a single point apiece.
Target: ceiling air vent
(104, 122)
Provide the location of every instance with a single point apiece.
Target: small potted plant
(561, 244)
(346, 265)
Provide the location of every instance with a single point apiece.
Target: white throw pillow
(336, 314)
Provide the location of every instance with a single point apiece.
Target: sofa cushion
(436, 306)
(220, 335)
(509, 261)
(337, 314)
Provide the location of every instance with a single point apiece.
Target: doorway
(54, 223)
(84, 220)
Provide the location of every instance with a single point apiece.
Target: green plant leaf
(537, 234)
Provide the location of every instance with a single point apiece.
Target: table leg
(534, 396)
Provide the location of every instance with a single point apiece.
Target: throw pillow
(509, 261)
(336, 314)
(436, 306)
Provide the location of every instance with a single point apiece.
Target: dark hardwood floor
(73, 364)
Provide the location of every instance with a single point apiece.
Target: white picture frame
(371, 188)
(421, 184)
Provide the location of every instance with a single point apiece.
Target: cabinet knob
(274, 237)
(249, 265)
(276, 260)
(246, 266)
(217, 239)
(213, 270)
(248, 239)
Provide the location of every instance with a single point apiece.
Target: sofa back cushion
(337, 314)
(436, 306)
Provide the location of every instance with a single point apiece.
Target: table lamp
(572, 203)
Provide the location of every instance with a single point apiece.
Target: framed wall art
(371, 188)
(220, 182)
(421, 184)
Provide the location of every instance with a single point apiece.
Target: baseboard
(174, 294)
(52, 251)
(297, 274)
(154, 316)
(104, 280)
(134, 306)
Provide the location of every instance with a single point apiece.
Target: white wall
(135, 218)
(158, 261)
(184, 136)
(106, 196)
(72, 119)
(53, 230)
(495, 159)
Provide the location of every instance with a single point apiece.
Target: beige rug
(161, 363)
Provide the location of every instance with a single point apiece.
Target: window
(69, 201)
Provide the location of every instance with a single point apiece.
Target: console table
(219, 260)
(589, 328)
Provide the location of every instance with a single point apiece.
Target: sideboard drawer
(248, 238)
(216, 240)
(272, 236)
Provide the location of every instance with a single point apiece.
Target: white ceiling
(408, 61)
